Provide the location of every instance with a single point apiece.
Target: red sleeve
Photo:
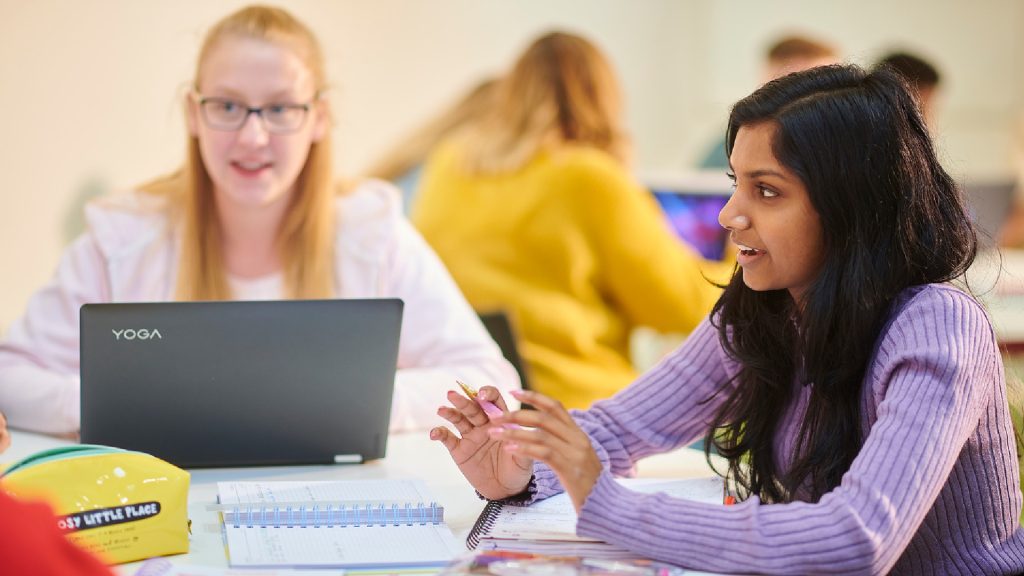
(31, 543)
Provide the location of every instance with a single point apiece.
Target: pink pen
(487, 406)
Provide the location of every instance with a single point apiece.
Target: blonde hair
(561, 90)
(305, 239)
(414, 149)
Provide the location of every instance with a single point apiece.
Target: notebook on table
(549, 526)
(691, 203)
(241, 383)
(355, 524)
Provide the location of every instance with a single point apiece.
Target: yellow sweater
(575, 251)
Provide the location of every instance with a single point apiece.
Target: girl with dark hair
(857, 396)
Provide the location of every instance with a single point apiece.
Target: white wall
(979, 48)
(90, 98)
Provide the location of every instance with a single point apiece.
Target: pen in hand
(487, 406)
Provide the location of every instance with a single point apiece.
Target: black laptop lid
(241, 383)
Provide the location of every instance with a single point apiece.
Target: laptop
(205, 384)
(989, 203)
(691, 203)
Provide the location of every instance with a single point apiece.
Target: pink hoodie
(129, 254)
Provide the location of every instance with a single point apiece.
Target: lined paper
(393, 545)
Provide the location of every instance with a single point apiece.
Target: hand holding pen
(548, 433)
(487, 463)
(495, 449)
(487, 406)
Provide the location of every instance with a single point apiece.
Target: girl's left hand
(554, 438)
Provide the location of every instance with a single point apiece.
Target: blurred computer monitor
(691, 203)
(988, 203)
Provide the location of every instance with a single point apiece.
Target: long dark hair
(891, 218)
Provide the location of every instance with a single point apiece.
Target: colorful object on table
(120, 505)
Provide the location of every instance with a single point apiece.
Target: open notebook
(549, 526)
(366, 524)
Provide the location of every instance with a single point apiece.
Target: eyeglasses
(226, 114)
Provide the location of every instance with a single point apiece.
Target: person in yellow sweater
(534, 212)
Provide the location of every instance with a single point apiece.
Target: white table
(410, 455)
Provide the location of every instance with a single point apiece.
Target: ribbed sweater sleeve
(933, 384)
(668, 407)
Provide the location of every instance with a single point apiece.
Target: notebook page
(555, 517)
(367, 546)
(342, 547)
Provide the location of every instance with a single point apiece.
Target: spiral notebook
(549, 526)
(364, 524)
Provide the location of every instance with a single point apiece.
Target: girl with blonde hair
(251, 215)
(561, 89)
(534, 212)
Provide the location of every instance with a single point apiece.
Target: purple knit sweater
(934, 489)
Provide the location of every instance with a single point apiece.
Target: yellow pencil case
(121, 505)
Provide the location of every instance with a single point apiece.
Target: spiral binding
(484, 523)
(334, 515)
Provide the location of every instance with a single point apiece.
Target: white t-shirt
(269, 287)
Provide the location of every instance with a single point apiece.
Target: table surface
(998, 279)
(409, 455)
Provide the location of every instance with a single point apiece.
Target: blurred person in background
(534, 212)
(403, 164)
(924, 79)
(788, 54)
